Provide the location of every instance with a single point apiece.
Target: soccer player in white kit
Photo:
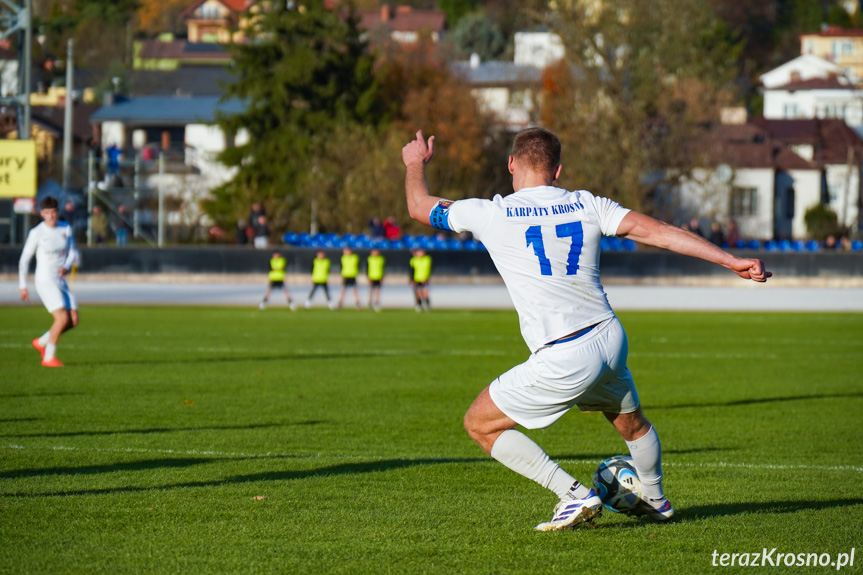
(544, 242)
(53, 244)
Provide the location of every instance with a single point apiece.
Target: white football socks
(50, 350)
(518, 452)
(43, 339)
(646, 454)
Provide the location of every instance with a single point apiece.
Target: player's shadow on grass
(330, 471)
(145, 465)
(211, 359)
(757, 400)
(150, 430)
(699, 512)
(597, 457)
(40, 394)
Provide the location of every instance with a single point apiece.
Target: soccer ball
(616, 482)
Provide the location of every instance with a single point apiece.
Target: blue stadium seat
(797, 246)
(614, 244)
(753, 245)
(857, 245)
(290, 238)
(740, 244)
(395, 244)
(784, 246)
(812, 246)
(629, 245)
(471, 245)
(771, 246)
(454, 244)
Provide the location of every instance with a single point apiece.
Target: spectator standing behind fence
(241, 237)
(421, 264)
(733, 236)
(262, 232)
(73, 216)
(376, 227)
(695, 227)
(716, 238)
(256, 211)
(113, 154)
(121, 225)
(392, 231)
(375, 270)
(320, 275)
(99, 225)
(350, 270)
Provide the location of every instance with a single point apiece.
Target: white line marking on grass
(270, 454)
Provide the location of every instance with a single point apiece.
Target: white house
(756, 181)
(812, 87)
(510, 90)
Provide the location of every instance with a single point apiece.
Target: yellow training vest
(320, 270)
(277, 269)
(376, 268)
(350, 266)
(422, 268)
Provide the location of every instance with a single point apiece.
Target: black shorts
(348, 282)
(277, 283)
(421, 285)
(375, 283)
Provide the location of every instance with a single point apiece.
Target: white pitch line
(269, 454)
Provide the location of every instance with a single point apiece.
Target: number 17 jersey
(544, 242)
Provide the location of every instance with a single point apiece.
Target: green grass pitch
(226, 440)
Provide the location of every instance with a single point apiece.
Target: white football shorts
(55, 294)
(588, 372)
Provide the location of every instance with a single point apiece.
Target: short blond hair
(538, 149)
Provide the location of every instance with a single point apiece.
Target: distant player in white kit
(544, 241)
(53, 244)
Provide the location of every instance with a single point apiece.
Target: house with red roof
(402, 24)
(216, 21)
(752, 179)
(842, 46)
(812, 87)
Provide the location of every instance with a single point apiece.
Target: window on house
(744, 201)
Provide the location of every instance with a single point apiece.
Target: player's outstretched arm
(415, 155)
(646, 230)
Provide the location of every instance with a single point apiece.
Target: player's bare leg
(646, 451)
(64, 320)
(494, 431)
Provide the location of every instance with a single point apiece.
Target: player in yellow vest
(350, 271)
(277, 280)
(375, 270)
(320, 273)
(421, 265)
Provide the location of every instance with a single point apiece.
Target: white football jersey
(544, 242)
(54, 249)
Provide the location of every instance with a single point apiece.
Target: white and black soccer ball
(616, 482)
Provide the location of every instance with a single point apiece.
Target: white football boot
(571, 514)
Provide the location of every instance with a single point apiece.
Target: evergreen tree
(303, 73)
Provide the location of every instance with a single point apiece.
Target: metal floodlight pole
(67, 117)
(91, 164)
(136, 215)
(161, 240)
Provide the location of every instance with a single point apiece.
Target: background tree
(475, 33)
(155, 17)
(641, 81)
(304, 73)
(361, 174)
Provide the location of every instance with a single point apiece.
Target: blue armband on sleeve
(439, 216)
